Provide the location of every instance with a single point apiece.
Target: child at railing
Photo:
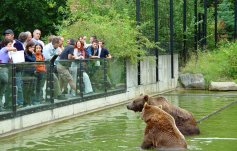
(40, 73)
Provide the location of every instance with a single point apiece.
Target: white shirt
(38, 41)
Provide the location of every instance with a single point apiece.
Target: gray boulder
(192, 81)
(223, 86)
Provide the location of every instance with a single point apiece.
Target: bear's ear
(146, 98)
(146, 105)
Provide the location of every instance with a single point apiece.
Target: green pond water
(118, 129)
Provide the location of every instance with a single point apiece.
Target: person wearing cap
(36, 37)
(4, 77)
(9, 34)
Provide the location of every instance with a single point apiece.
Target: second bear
(184, 120)
(161, 131)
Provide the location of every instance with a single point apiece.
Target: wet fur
(184, 120)
(160, 131)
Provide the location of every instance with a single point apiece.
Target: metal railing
(25, 90)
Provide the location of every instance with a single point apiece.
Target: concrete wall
(148, 86)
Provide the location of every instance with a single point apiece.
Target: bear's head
(137, 104)
(149, 112)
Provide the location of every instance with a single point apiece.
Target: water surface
(119, 129)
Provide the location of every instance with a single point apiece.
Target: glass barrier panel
(116, 76)
(93, 77)
(67, 80)
(5, 88)
(31, 85)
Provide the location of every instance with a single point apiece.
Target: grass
(217, 65)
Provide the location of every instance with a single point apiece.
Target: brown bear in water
(161, 131)
(184, 120)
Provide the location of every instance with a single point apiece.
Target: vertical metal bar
(156, 38)
(105, 76)
(195, 25)
(171, 38)
(125, 74)
(235, 24)
(203, 32)
(80, 81)
(215, 5)
(205, 24)
(51, 82)
(14, 97)
(199, 27)
(184, 31)
(138, 10)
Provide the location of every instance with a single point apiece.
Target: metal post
(199, 27)
(138, 10)
(51, 82)
(80, 78)
(171, 38)
(184, 31)
(156, 38)
(105, 76)
(195, 25)
(203, 32)
(14, 89)
(205, 24)
(235, 24)
(216, 1)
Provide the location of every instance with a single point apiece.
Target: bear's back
(161, 128)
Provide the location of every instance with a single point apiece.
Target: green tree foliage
(226, 16)
(22, 15)
(109, 22)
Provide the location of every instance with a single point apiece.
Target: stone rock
(192, 81)
(223, 86)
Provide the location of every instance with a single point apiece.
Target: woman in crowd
(29, 79)
(80, 53)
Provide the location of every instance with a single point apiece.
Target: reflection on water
(119, 129)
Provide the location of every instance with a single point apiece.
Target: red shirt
(40, 67)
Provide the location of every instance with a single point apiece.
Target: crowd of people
(31, 78)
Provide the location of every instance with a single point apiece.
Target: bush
(218, 65)
(118, 31)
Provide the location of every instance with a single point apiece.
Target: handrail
(86, 68)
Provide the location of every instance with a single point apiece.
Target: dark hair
(72, 41)
(6, 41)
(101, 41)
(40, 46)
(94, 37)
(28, 45)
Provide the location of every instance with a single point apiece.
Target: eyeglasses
(38, 33)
